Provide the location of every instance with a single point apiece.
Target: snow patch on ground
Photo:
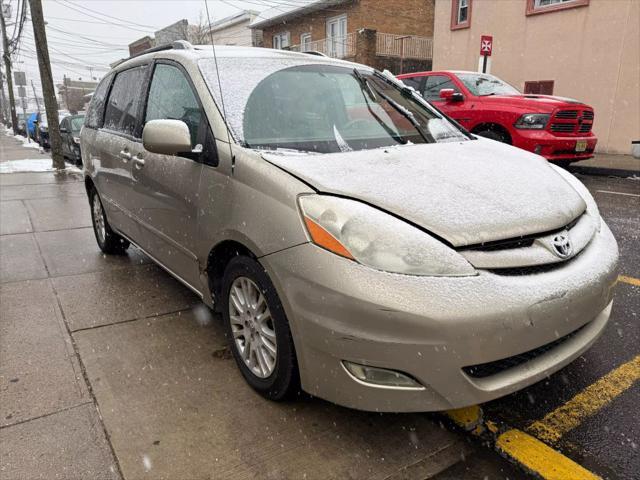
(32, 165)
(26, 142)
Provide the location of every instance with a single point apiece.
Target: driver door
(165, 187)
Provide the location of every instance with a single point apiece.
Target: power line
(81, 8)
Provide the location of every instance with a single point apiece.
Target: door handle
(126, 156)
(138, 162)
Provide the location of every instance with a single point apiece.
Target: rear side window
(124, 102)
(435, 83)
(96, 107)
(180, 104)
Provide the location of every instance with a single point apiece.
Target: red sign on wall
(486, 45)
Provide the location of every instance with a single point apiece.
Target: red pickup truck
(557, 128)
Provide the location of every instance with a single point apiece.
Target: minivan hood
(467, 192)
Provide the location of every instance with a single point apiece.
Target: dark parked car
(70, 134)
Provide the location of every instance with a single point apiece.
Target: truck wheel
(108, 240)
(258, 330)
(496, 135)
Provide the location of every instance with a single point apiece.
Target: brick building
(395, 34)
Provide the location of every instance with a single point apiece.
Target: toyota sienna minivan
(359, 245)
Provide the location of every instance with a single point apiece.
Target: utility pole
(7, 64)
(46, 79)
(33, 87)
(3, 101)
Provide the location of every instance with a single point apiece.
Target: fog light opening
(380, 377)
(538, 149)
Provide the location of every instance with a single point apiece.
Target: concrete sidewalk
(109, 368)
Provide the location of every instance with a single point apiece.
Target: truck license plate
(581, 145)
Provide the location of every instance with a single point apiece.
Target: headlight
(532, 121)
(76, 140)
(378, 240)
(578, 186)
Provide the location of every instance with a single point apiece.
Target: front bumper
(552, 147)
(431, 328)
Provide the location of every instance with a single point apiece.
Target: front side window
(181, 104)
(123, 107)
(323, 108)
(482, 85)
(434, 84)
(96, 106)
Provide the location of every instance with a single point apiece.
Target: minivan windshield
(324, 108)
(482, 85)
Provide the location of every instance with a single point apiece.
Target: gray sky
(80, 36)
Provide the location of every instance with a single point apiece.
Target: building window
(281, 40)
(544, 6)
(540, 87)
(305, 42)
(460, 14)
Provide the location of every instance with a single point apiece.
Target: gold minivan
(358, 244)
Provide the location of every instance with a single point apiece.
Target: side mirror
(63, 130)
(450, 95)
(166, 137)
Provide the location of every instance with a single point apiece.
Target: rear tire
(258, 330)
(108, 240)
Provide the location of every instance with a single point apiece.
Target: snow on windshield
(319, 106)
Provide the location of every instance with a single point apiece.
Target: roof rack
(315, 52)
(177, 45)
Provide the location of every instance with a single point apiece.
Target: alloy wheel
(98, 219)
(252, 327)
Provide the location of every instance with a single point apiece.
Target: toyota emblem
(562, 245)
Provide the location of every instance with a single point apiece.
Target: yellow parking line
(540, 458)
(586, 403)
(629, 280)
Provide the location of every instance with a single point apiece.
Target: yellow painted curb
(539, 458)
(468, 418)
(586, 403)
(629, 280)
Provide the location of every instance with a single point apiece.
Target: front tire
(258, 330)
(108, 240)
(496, 135)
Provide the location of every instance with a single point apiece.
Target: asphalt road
(608, 442)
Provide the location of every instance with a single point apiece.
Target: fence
(336, 47)
(405, 46)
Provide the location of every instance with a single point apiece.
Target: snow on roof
(277, 14)
(233, 19)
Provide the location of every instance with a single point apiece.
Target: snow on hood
(467, 193)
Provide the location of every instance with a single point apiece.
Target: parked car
(557, 128)
(42, 131)
(70, 127)
(22, 123)
(357, 242)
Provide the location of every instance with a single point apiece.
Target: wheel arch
(217, 260)
(494, 127)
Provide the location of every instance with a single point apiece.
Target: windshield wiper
(364, 84)
(402, 111)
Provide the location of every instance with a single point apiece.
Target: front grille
(563, 127)
(576, 121)
(530, 270)
(520, 242)
(567, 114)
(484, 370)
(572, 152)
